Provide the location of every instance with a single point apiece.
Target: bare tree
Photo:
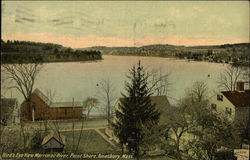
(107, 96)
(159, 82)
(23, 77)
(90, 103)
(198, 92)
(246, 74)
(229, 77)
(50, 94)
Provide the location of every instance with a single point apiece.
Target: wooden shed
(54, 142)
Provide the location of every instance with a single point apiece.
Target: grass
(90, 142)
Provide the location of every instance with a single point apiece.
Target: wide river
(80, 80)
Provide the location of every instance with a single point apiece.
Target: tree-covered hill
(19, 51)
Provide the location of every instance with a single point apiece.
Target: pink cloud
(87, 41)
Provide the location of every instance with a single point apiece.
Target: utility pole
(73, 125)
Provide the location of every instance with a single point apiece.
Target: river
(80, 80)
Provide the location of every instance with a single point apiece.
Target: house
(9, 111)
(54, 142)
(41, 108)
(161, 103)
(234, 104)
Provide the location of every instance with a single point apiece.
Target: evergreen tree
(135, 111)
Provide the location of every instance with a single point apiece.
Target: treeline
(227, 53)
(26, 51)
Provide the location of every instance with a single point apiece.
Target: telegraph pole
(73, 125)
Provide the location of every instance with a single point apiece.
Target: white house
(234, 104)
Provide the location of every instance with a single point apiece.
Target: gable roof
(162, 104)
(238, 98)
(58, 137)
(56, 104)
(42, 96)
(66, 104)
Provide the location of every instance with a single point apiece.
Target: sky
(80, 24)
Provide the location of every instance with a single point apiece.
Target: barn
(41, 108)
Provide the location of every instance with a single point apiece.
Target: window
(228, 110)
(65, 111)
(220, 97)
(213, 107)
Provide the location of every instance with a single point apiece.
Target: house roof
(162, 104)
(7, 107)
(42, 96)
(56, 104)
(238, 98)
(66, 104)
(58, 137)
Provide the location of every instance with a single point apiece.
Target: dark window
(214, 107)
(220, 97)
(65, 111)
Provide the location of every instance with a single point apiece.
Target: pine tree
(135, 111)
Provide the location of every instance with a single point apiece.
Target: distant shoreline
(42, 59)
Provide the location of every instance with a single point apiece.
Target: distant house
(41, 108)
(54, 142)
(9, 111)
(234, 104)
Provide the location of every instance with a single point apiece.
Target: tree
(135, 111)
(159, 82)
(198, 91)
(194, 131)
(90, 103)
(23, 77)
(107, 97)
(229, 77)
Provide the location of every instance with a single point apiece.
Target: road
(61, 125)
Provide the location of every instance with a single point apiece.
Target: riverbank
(35, 52)
(12, 58)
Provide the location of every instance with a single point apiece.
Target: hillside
(25, 51)
(228, 53)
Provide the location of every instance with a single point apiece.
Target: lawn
(90, 142)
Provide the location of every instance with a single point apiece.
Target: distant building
(9, 111)
(41, 108)
(54, 142)
(234, 104)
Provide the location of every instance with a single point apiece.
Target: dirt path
(105, 137)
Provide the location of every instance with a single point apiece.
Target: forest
(26, 51)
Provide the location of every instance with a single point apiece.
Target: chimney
(240, 86)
